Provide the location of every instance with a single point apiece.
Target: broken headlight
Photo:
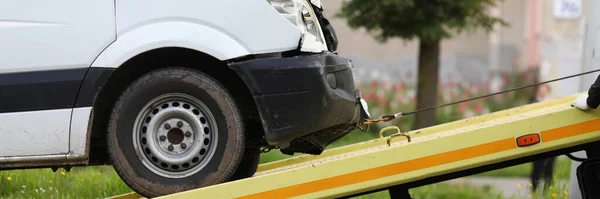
(301, 14)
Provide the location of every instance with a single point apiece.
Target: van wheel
(248, 165)
(173, 130)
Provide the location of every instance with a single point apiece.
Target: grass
(80, 182)
(102, 181)
(553, 192)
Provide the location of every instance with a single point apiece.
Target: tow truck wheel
(173, 130)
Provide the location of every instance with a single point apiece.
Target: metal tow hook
(397, 134)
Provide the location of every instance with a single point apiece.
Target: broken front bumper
(305, 102)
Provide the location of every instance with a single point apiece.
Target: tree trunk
(427, 83)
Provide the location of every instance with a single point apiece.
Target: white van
(174, 94)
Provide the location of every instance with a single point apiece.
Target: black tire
(230, 136)
(248, 165)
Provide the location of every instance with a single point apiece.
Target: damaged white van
(175, 94)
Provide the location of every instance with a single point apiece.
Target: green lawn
(81, 182)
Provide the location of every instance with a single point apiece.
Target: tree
(430, 21)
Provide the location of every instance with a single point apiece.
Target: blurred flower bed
(385, 97)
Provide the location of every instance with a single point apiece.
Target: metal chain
(268, 148)
(390, 117)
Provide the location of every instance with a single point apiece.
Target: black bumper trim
(296, 99)
(51, 89)
(92, 83)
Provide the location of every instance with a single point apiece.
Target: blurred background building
(545, 38)
(544, 35)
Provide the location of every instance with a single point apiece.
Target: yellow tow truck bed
(465, 146)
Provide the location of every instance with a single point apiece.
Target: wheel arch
(147, 61)
(146, 37)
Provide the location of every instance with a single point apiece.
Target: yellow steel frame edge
(437, 150)
(126, 196)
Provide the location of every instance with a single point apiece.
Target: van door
(46, 48)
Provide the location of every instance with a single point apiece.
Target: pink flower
(374, 84)
(462, 107)
(380, 101)
(450, 84)
(467, 93)
(398, 86)
(372, 96)
(386, 83)
(505, 78)
(478, 108)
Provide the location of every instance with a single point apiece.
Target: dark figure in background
(542, 168)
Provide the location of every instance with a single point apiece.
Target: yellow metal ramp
(444, 149)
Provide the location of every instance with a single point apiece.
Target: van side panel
(46, 48)
(80, 134)
(38, 35)
(252, 23)
(213, 27)
(35, 133)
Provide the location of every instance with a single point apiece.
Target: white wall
(562, 48)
